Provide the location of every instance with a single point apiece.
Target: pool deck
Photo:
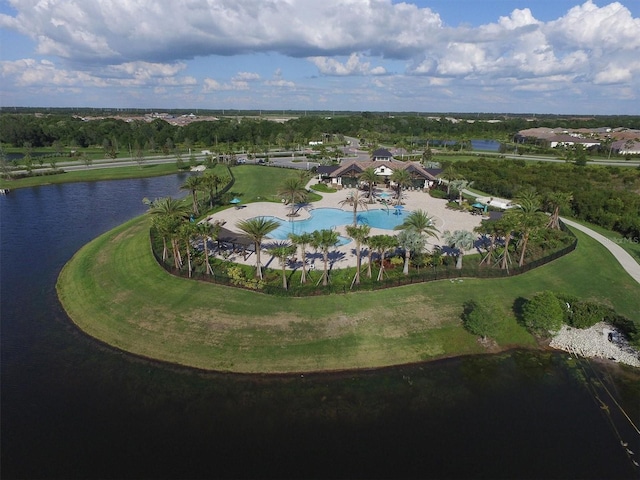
(343, 256)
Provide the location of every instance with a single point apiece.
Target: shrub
(482, 318)
(544, 313)
(437, 193)
(587, 314)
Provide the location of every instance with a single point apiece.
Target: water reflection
(72, 408)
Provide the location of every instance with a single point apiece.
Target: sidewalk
(627, 261)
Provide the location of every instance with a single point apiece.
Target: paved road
(627, 261)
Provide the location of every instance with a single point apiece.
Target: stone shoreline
(601, 340)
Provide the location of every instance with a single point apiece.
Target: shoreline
(601, 341)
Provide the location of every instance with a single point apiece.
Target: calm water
(486, 145)
(73, 408)
(327, 218)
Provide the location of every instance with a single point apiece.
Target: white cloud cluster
(146, 42)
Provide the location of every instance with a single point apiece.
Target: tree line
(73, 131)
(604, 195)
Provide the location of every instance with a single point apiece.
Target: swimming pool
(326, 218)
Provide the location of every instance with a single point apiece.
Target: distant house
(626, 147)
(381, 155)
(566, 140)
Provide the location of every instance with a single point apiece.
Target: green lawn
(93, 174)
(114, 290)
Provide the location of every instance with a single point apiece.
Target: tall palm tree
(324, 240)
(420, 221)
(257, 228)
(355, 201)
(504, 228)
(302, 240)
(556, 201)
(488, 228)
(294, 191)
(528, 218)
(382, 244)
(283, 251)
(461, 240)
(193, 184)
(170, 213)
(449, 174)
(370, 176)
(206, 231)
(359, 235)
(459, 185)
(186, 232)
(402, 179)
(411, 241)
(211, 181)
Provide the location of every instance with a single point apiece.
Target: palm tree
(324, 240)
(461, 240)
(402, 178)
(382, 243)
(420, 221)
(460, 185)
(294, 191)
(211, 182)
(527, 217)
(411, 241)
(488, 228)
(556, 201)
(206, 231)
(302, 240)
(449, 174)
(505, 227)
(355, 200)
(370, 176)
(359, 234)
(168, 214)
(193, 184)
(283, 251)
(257, 228)
(370, 247)
(186, 232)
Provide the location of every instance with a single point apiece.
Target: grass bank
(113, 290)
(93, 174)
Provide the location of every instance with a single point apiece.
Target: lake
(75, 408)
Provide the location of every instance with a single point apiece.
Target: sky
(509, 56)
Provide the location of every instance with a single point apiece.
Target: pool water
(327, 218)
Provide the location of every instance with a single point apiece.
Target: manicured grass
(256, 183)
(114, 290)
(93, 174)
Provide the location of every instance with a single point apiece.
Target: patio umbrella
(235, 200)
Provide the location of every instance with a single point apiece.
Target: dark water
(72, 408)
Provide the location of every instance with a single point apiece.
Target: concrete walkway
(627, 261)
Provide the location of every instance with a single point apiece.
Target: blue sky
(534, 56)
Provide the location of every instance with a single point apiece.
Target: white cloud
(353, 66)
(151, 44)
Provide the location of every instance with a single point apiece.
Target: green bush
(544, 313)
(482, 318)
(586, 314)
(437, 193)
